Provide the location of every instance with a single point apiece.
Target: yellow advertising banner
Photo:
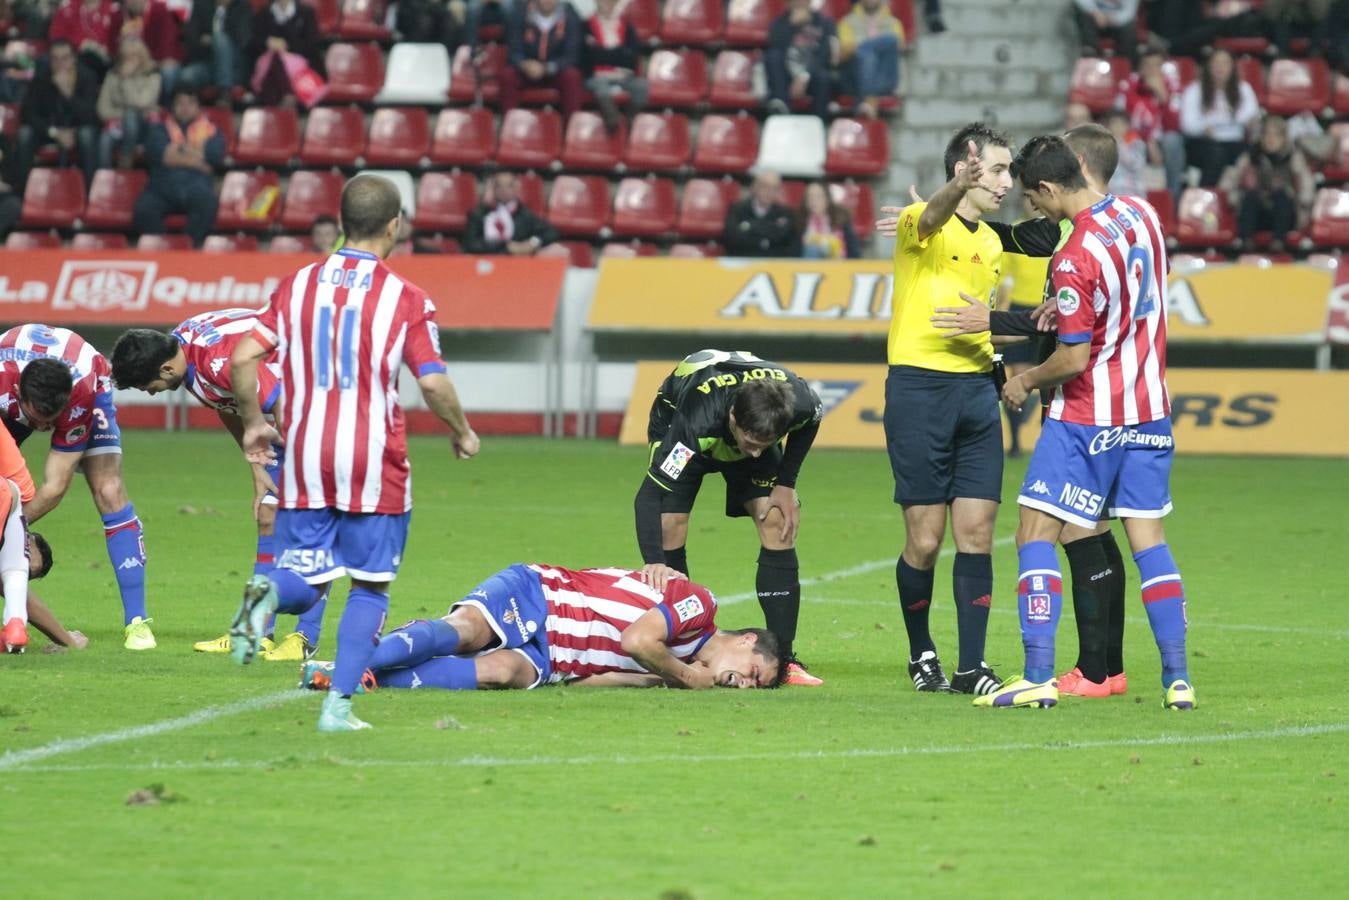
(1242, 303)
(1223, 411)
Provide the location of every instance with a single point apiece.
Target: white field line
(1166, 740)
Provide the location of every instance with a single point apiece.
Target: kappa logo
(416, 682)
(218, 363)
(1066, 266)
(677, 459)
(77, 412)
(1039, 487)
(404, 637)
(832, 394)
(130, 562)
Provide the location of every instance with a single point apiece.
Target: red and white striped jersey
(589, 609)
(1109, 283)
(208, 341)
(342, 328)
(89, 370)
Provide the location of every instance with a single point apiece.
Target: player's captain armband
(676, 460)
(688, 609)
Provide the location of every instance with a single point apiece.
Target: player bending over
(535, 624)
(196, 356)
(24, 556)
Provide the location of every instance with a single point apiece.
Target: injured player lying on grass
(535, 624)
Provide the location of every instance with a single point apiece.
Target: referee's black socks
(778, 584)
(972, 583)
(678, 559)
(1098, 587)
(915, 602)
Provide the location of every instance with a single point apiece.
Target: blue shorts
(512, 602)
(104, 435)
(1084, 473)
(322, 545)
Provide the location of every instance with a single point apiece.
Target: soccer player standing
(943, 429)
(341, 329)
(1106, 447)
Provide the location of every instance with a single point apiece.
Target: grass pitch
(862, 788)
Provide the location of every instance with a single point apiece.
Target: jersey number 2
(346, 347)
(1145, 289)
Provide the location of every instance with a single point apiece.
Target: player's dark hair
(138, 354)
(764, 408)
(44, 551)
(45, 385)
(958, 147)
(369, 203)
(323, 219)
(184, 90)
(1097, 146)
(766, 646)
(1048, 158)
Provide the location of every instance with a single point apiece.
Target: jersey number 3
(1139, 268)
(346, 347)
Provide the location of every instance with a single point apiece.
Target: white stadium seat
(793, 146)
(416, 73)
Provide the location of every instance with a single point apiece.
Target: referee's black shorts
(746, 479)
(944, 434)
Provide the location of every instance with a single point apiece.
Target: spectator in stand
(1151, 98)
(32, 19)
(1215, 113)
(932, 16)
(129, 98)
(1287, 19)
(158, 28)
(799, 61)
(501, 224)
(425, 22)
(184, 150)
(11, 205)
(16, 70)
(1114, 19)
(1187, 27)
(544, 37)
(479, 14)
(1337, 36)
(825, 227)
(59, 108)
(91, 28)
(870, 41)
(760, 225)
(323, 235)
(1130, 178)
(611, 53)
(218, 31)
(285, 26)
(1076, 114)
(1271, 186)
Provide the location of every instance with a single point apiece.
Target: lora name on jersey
(1081, 499)
(346, 278)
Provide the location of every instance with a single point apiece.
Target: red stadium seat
(860, 203)
(579, 205)
(1298, 85)
(582, 254)
(658, 143)
(310, 195)
(1238, 46)
(1184, 68)
(1166, 210)
(223, 120)
(645, 17)
(733, 81)
(688, 251)
(464, 80)
(629, 250)
(644, 207)
(9, 120)
(32, 240)
(532, 191)
(463, 137)
(446, 246)
(1252, 71)
(1337, 166)
(362, 20)
(230, 243)
(53, 198)
(1340, 100)
(529, 139)
(159, 243)
(329, 13)
(112, 197)
(333, 136)
(676, 78)
(692, 22)
(727, 144)
(903, 10)
(400, 137)
(288, 243)
(589, 146)
(244, 202)
(1330, 218)
(444, 200)
(748, 21)
(1096, 82)
(793, 190)
(268, 136)
(1204, 219)
(96, 240)
(857, 147)
(355, 72)
(837, 9)
(702, 209)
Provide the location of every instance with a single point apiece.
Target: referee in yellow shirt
(942, 425)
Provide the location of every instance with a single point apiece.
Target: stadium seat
(9, 120)
(53, 198)
(858, 200)
(400, 136)
(582, 254)
(1339, 100)
(288, 243)
(676, 78)
(444, 200)
(308, 196)
(230, 243)
(243, 201)
(903, 10)
(416, 73)
(112, 197)
(446, 246)
(362, 20)
(644, 207)
(1166, 210)
(589, 146)
(268, 136)
(407, 189)
(793, 145)
(159, 243)
(1096, 82)
(333, 136)
(463, 137)
(532, 192)
(329, 13)
(94, 241)
(748, 21)
(579, 205)
(692, 22)
(1330, 218)
(223, 120)
(1204, 219)
(857, 147)
(1252, 71)
(658, 143)
(688, 251)
(1298, 85)
(702, 208)
(733, 81)
(1184, 68)
(1337, 166)
(629, 250)
(792, 192)
(464, 79)
(355, 72)
(32, 240)
(726, 144)
(529, 139)
(1243, 44)
(645, 17)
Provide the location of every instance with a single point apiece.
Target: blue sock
(310, 622)
(265, 561)
(453, 673)
(126, 549)
(1164, 599)
(293, 594)
(1039, 599)
(414, 643)
(357, 635)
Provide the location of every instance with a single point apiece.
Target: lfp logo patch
(688, 608)
(676, 460)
